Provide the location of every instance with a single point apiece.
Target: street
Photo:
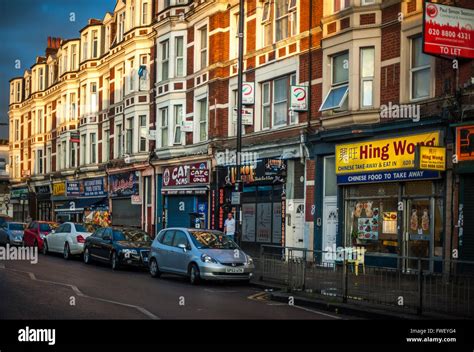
(58, 289)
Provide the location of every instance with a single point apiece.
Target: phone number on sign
(449, 34)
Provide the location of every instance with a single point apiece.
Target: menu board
(264, 222)
(389, 224)
(368, 227)
(248, 222)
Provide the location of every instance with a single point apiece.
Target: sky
(25, 26)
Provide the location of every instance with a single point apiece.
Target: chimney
(53, 45)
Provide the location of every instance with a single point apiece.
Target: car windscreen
(45, 227)
(81, 228)
(16, 227)
(211, 240)
(131, 235)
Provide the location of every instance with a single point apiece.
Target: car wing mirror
(183, 247)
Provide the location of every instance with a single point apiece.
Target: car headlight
(249, 260)
(129, 251)
(18, 238)
(208, 259)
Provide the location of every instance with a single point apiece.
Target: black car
(118, 246)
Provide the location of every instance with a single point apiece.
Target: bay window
(165, 55)
(420, 70)
(143, 133)
(367, 70)
(178, 119)
(179, 55)
(164, 127)
(336, 99)
(202, 104)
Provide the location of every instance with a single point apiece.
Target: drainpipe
(150, 156)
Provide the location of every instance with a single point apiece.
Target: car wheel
(66, 251)
(154, 269)
(114, 261)
(87, 258)
(45, 249)
(194, 275)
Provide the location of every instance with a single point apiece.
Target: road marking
(316, 312)
(260, 296)
(79, 293)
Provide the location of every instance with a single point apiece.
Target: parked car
(199, 254)
(4, 218)
(12, 233)
(36, 232)
(69, 239)
(118, 246)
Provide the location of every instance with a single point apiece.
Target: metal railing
(449, 291)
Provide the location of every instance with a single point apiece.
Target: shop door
(295, 227)
(419, 229)
(178, 211)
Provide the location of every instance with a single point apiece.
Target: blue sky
(25, 26)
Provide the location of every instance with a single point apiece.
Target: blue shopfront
(185, 195)
(370, 193)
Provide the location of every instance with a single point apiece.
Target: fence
(419, 290)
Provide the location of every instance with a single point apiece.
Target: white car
(68, 238)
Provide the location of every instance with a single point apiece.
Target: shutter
(124, 213)
(467, 249)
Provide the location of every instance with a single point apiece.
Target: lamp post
(238, 217)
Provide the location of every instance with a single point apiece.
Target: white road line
(79, 293)
(316, 312)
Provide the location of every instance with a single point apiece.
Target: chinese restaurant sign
(448, 31)
(186, 175)
(431, 158)
(123, 185)
(385, 160)
(465, 143)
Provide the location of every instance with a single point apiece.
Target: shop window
(330, 186)
(336, 99)
(418, 188)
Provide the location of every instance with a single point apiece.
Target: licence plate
(234, 270)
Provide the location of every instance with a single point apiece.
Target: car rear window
(45, 227)
(16, 227)
(80, 228)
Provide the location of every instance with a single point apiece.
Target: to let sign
(448, 31)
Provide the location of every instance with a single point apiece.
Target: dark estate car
(118, 246)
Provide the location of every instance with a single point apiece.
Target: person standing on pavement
(229, 226)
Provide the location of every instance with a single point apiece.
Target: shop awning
(75, 206)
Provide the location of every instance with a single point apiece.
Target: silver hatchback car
(199, 254)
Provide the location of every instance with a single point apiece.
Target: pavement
(58, 289)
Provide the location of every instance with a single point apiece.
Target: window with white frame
(367, 72)
(94, 97)
(144, 13)
(129, 135)
(106, 153)
(132, 14)
(72, 159)
(178, 120)
(179, 56)
(339, 5)
(18, 92)
(336, 99)
(119, 139)
(85, 47)
(63, 155)
(95, 44)
(39, 156)
(368, 2)
(203, 116)
(73, 57)
(17, 130)
(72, 104)
(27, 88)
(267, 24)
(121, 26)
(40, 121)
(275, 101)
(143, 133)
(164, 127)
(83, 149)
(203, 47)
(420, 69)
(132, 75)
(281, 19)
(106, 93)
(41, 78)
(165, 56)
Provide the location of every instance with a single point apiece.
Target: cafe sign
(383, 154)
(186, 175)
(431, 158)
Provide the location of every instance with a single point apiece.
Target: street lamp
(238, 181)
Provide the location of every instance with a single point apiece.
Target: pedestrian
(229, 226)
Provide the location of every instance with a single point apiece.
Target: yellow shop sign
(383, 154)
(59, 189)
(431, 158)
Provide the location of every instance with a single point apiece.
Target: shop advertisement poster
(264, 222)
(123, 185)
(448, 31)
(389, 222)
(59, 189)
(465, 143)
(368, 226)
(94, 187)
(248, 222)
(431, 158)
(74, 188)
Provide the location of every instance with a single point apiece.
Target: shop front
(464, 168)
(263, 202)
(20, 199)
(392, 204)
(125, 199)
(43, 202)
(185, 195)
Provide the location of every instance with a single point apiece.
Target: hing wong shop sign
(448, 31)
(382, 155)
